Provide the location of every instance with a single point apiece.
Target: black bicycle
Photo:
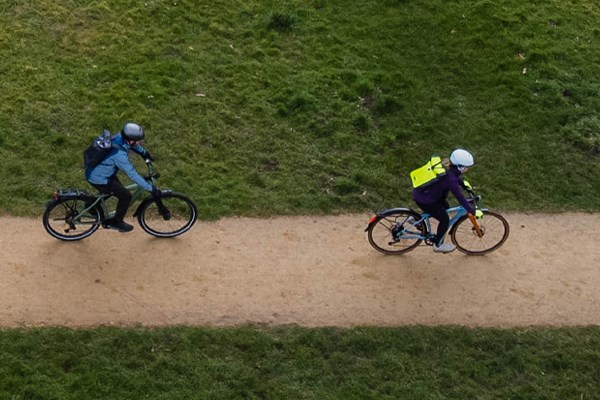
(75, 214)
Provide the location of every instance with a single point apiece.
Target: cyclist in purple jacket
(433, 198)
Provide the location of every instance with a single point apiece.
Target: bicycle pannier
(428, 173)
(97, 150)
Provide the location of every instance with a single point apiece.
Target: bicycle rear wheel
(63, 219)
(393, 232)
(168, 215)
(495, 231)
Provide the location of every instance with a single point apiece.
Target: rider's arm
(140, 150)
(123, 163)
(454, 186)
(465, 184)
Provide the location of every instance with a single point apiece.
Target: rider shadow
(77, 255)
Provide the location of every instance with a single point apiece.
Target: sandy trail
(311, 271)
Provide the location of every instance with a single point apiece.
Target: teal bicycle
(400, 230)
(74, 214)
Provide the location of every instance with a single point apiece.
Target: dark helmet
(132, 131)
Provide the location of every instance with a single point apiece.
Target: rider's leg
(116, 188)
(438, 211)
(124, 199)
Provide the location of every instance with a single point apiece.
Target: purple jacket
(438, 191)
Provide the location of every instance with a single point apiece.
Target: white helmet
(462, 159)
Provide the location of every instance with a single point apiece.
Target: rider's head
(132, 132)
(462, 159)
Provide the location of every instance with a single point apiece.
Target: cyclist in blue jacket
(433, 198)
(104, 176)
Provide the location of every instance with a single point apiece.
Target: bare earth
(310, 271)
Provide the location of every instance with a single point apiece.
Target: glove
(155, 191)
(478, 214)
(148, 156)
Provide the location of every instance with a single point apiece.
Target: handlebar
(473, 198)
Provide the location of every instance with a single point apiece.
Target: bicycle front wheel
(168, 215)
(396, 232)
(64, 219)
(494, 228)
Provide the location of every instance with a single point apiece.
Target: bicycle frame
(136, 194)
(455, 214)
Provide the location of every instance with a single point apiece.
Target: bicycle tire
(59, 223)
(495, 230)
(382, 237)
(182, 214)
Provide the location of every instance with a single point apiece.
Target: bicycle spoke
(168, 216)
(65, 219)
(391, 234)
(495, 232)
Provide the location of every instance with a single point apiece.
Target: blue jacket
(438, 191)
(117, 159)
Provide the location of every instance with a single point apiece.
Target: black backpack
(98, 150)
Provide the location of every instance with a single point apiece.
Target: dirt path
(311, 271)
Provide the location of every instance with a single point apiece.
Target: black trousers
(116, 188)
(438, 211)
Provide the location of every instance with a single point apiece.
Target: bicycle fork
(162, 210)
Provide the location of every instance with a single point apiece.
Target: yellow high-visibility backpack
(428, 173)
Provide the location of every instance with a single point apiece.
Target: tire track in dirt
(311, 271)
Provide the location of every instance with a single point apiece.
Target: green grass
(292, 107)
(300, 363)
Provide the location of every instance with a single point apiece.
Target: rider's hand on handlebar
(148, 156)
(478, 214)
(155, 191)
